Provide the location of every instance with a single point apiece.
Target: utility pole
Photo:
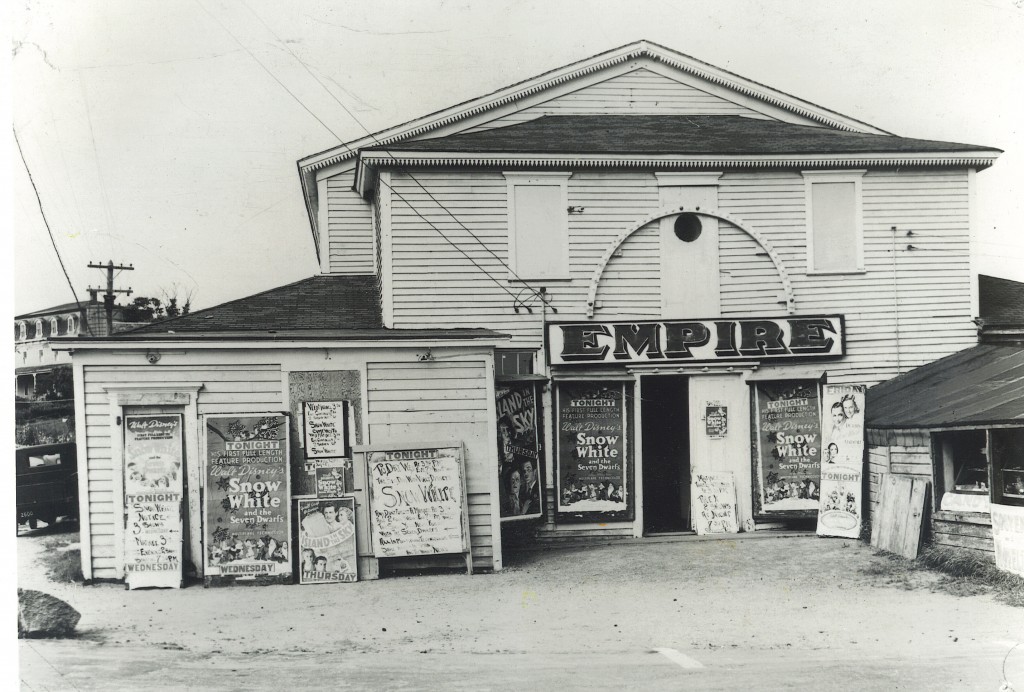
(108, 297)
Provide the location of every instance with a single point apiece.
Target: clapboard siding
(435, 285)
(631, 285)
(911, 461)
(963, 530)
(350, 231)
(878, 467)
(437, 401)
(225, 389)
(638, 92)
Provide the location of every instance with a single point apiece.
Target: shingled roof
(1001, 301)
(977, 386)
(673, 134)
(321, 308)
(320, 302)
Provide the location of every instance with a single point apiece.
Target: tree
(175, 307)
(145, 309)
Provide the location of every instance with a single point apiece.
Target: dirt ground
(754, 595)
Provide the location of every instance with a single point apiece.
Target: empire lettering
(697, 340)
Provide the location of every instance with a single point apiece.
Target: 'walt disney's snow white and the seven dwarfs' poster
(247, 500)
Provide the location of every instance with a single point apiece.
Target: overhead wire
(342, 141)
(99, 173)
(46, 223)
(541, 295)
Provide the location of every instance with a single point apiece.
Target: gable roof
(637, 50)
(672, 134)
(490, 105)
(320, 308)
(1000, 301)
(319, 302)
(56, 310)
(975, 387)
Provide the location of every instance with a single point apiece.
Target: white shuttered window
(538, 225)
(834, 223)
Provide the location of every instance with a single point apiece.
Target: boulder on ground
(43, 615)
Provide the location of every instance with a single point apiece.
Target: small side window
(510, 362)
(963, 462)
(835, 241)
(538, 225)
(1008, 466)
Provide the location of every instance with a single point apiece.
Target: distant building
(34, 361)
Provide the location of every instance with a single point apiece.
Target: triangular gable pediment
(653, 78)
(644, 90)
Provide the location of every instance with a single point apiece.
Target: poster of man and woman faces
(519, 468)
(842, 460)
(327, 540)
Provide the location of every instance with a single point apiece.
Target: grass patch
(963, 573)
(62, 562)
(963, 568)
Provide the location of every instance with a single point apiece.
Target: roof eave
(353, 339)
(370, 162)
(943, 427)
(637, 49)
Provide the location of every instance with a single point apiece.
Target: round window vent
(687, 227)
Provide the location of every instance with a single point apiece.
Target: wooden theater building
(602, 282)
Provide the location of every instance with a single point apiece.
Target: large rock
(42, 615)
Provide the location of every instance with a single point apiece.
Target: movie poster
(325, 429)
(153, 490)
(842, 463)
(333, 476)
(716, 420)
(247, 499)
(788, 445)
(521, 490)
(327, 540)
(591, 448)
(417, 501)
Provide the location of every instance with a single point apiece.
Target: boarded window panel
(541, 241)
(835, 227)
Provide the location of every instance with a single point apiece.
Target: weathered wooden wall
(349, 234)
(971, 530)
(404, 400)
(923, 294)
(908, 453)
(226, 388)
(437, 401)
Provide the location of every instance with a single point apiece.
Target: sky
(165, 134)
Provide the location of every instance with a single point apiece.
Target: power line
(342, 141)
(538, 294)
(46, 223)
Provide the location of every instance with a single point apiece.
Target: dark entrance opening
(664, 408)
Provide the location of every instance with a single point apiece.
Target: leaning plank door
(899, 521)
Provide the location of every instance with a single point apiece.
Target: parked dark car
(47, 483)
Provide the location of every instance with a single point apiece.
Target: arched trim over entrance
(787, 285)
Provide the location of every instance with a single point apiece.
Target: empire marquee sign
(696, 341)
